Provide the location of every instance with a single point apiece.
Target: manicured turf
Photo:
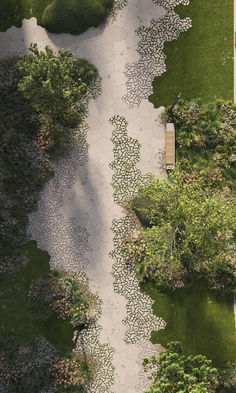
(200, 62)
(201, 319)
(58, 16)
(14, 312)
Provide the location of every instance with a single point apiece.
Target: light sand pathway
(87, 209)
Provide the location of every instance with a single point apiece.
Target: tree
(177, 373)
(187, 230)
(52, 82)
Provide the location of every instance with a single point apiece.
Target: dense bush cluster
(188, 231)
(206, 140)
(36, 367)
(73, 16)
(177, 373)
(61, 294)
(24, 167)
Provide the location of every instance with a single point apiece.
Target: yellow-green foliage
(190, 231)
(178, 373)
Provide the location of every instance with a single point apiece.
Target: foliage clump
(24, 167)
(177, 373)
(206, 140)
(188, 231)
(36, 367)
(54, 84)
(72, 16)
(61, 294)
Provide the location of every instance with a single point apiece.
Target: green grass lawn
(200, 62)
(58, 16)
(201, 319)
(14, 311)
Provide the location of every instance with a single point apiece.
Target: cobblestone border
(140, 74)
(127, 179)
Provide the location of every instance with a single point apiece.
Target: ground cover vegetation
(175, 372)
(57, 16)
(33, 325)
(200, 62)
(206, 141)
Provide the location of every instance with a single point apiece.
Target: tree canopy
(177, 373)
(54, 83)
(186, 230)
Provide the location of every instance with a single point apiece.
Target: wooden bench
(170, 146)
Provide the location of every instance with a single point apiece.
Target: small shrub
(75, 16)
(60, 294)
(67, 373)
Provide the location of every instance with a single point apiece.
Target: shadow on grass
(201, 319)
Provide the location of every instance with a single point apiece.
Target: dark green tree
(177, 373)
